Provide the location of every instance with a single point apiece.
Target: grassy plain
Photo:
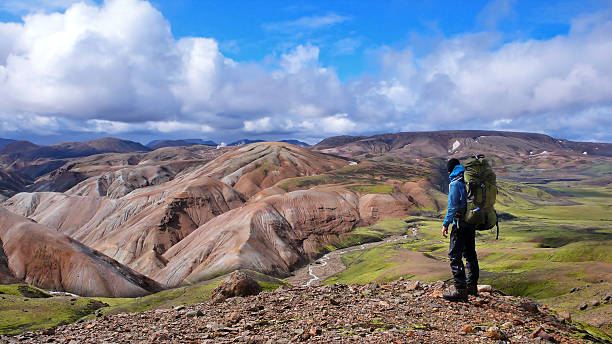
(366, 177)
(555, 247)
(23, 313)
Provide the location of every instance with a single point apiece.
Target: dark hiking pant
(463, 244)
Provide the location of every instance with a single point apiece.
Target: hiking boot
(456, 295)
(472, 290)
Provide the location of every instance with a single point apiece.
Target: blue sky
(302, 69)
(252, 30)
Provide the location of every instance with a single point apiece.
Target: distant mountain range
(11, 150)
(443, 143)
(438, 142)
(297, 143)
(28, 151)
(5, 142)
(190, 142)
(247, 141)
(244, 142)
(176, 143)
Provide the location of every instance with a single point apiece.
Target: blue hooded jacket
(457, 195)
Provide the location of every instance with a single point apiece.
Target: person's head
(450, 164)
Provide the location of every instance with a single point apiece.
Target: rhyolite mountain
(60, 174)
(443, 143)
(36, 254)
(137, 223)
(186, 213)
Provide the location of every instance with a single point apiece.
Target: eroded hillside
(188, 214)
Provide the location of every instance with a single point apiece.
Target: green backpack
(481, 184)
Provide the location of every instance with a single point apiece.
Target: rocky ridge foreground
(398, 312)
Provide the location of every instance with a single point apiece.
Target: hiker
(462, 236)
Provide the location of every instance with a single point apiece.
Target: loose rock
(495, 333)
(236, 284)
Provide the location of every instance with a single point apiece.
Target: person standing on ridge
(462, 237)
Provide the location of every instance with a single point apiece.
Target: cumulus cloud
(116, 68)
(337, 124)
(261, 125)
(300, 58)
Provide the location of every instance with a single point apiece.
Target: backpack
(481, 184)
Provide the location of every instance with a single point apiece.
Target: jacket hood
(458, 170)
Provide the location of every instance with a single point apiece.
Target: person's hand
(444, 231)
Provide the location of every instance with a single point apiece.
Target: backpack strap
(497, 224)
(460, 177)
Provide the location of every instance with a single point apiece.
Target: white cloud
(337, 124)
(465, 83)
(114, 61)
(29, 122)
(104, 126)
(308, 22)
(501, 122)
(175, 126)
(116, 68)
(306, 110)
(260, 125)
(301, 57)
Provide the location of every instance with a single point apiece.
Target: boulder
(482, 288)
(529, 305)
(495, 333)
(236, 284)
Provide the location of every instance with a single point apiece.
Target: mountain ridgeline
(442, 143)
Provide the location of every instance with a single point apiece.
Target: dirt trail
(331, 263)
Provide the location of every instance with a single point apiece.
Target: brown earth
(137, 228)
(37, 255)
(143, 211)
(375, 207)
(271, 236)
(49, 173)
(375, 313)
(141, 168)
(254, 167)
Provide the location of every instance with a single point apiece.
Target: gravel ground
(398, 312)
